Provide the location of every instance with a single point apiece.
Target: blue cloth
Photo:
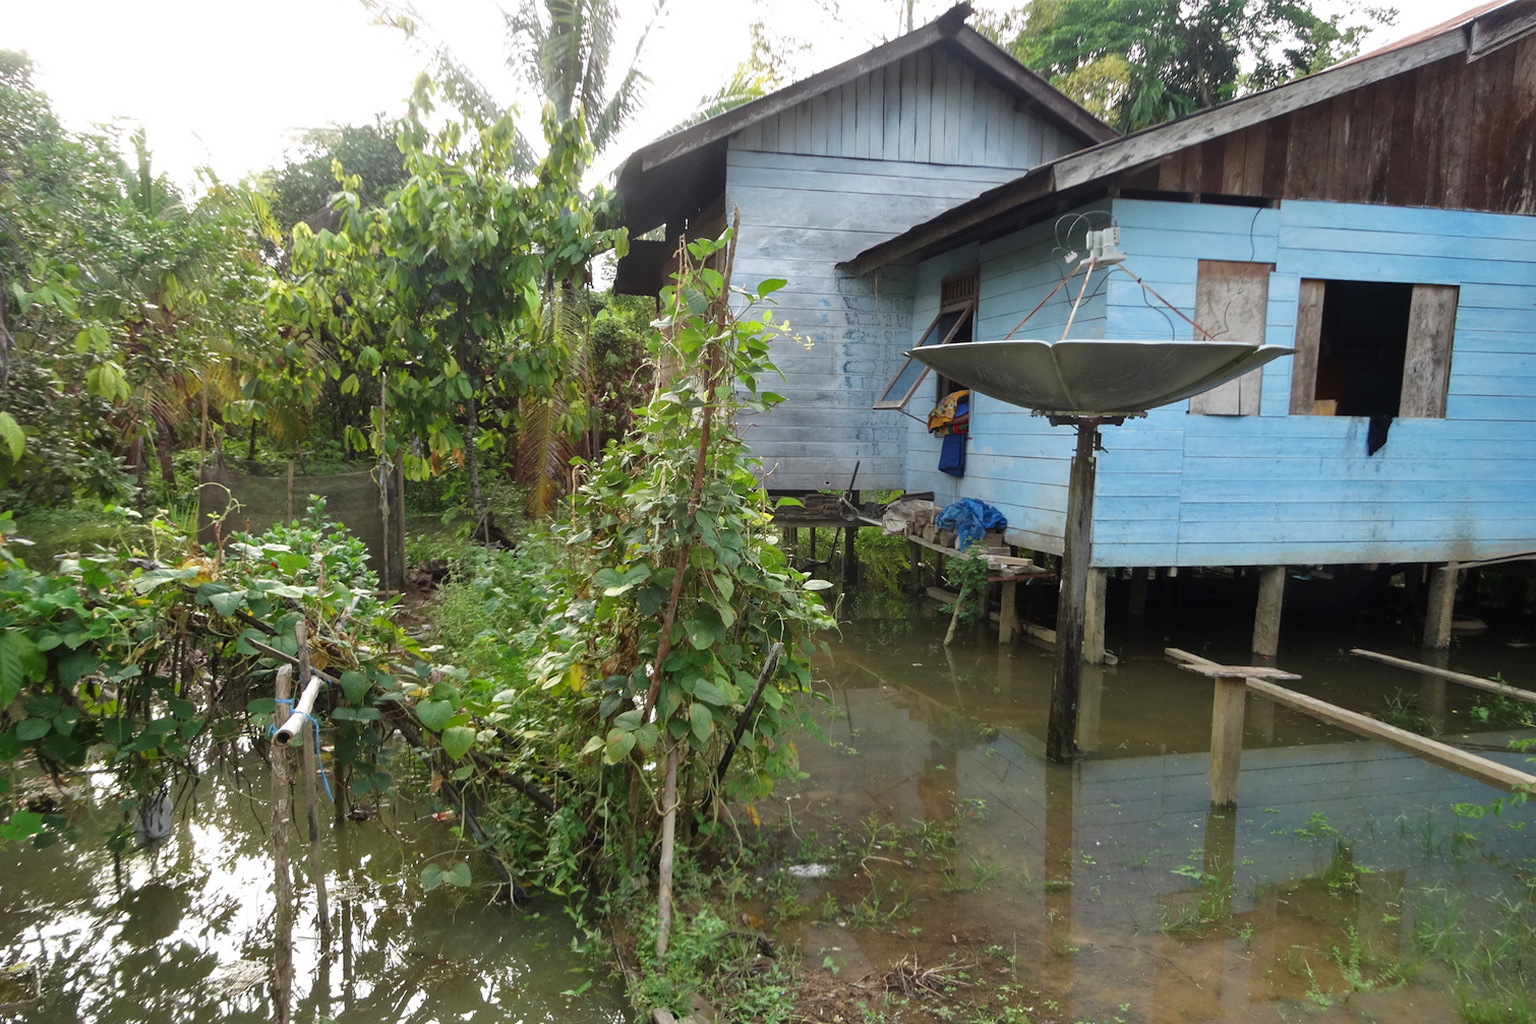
(970, 519)
(952, 454)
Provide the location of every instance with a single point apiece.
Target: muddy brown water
(1085, 891)
(1089, 887)
(184, 932)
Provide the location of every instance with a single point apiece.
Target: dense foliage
(1135, 63)
(121, 302)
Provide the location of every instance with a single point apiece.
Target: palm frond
(466, 92)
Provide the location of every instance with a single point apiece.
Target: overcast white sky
(226, 84)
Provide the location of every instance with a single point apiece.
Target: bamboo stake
(669, 798)
(282, 883)
(390, 583)
(668, 854)
(311, 743)
(722, 317)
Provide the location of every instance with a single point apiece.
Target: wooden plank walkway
(1480, 768)
(1477, 682)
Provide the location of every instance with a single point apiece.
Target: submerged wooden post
(1070, 605)
(1266, 620)
(1137, 604)
(282, 877)
(1093, 617)
(311, 759)
(1227, 724)
(915, 550)
(1008, 612)
(1442, 600)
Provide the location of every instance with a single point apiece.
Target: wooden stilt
(1266, 620)
(1227, 739)
(1137, 605)
(1008, 611)
(1093, 617)
(1078, 552)
(1438, 613)
(1090, 699)
(915, 550)
(1232, 683)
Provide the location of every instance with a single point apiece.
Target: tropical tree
(117, 295)
(1142, 62)
(439, 289)
(301, 189)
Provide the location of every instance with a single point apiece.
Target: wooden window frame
(957, 294)
(1426, 358)
(1224, 290)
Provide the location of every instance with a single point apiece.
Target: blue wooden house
(822, 170)
(1376, 216)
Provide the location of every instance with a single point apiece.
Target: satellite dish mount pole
(1077, 554)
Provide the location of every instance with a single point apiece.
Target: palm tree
(561, 49)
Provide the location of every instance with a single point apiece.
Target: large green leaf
(457, 741)
(702, 721)
(434, 714)
(20, 661)
(11, 434)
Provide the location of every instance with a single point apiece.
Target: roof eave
(1149, 144)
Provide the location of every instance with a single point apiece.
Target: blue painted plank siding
(1177, 488)
(824, 181)
(926, 108)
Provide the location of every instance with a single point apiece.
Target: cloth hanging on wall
(952, 454)
(951, 420)
(952, 415)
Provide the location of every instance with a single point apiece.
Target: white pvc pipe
(301, 711)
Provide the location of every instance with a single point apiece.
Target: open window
(1373, 348)
(955, 322)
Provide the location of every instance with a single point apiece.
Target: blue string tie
(287, 705)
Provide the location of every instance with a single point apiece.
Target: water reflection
(1111, 876)
(184, 932)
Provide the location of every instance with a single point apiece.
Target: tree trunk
(165, 445)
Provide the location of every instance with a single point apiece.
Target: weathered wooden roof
(681, 165)
(1453, 133)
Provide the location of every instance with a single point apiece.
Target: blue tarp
(970, 519)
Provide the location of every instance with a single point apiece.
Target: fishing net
(230, 501)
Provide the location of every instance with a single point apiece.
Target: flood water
(185, 932)
(1343, 888)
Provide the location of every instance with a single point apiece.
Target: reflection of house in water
(1376, 215)
(1087, 852)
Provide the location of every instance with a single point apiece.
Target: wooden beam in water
(1512, 692)
(1482, 769)
(1227, 724)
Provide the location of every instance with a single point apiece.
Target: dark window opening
(1361, 347)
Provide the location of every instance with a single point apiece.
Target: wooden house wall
(927, 108)
(1182, 489)
(808, 202)
(1450, 134)
(1014, 460)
